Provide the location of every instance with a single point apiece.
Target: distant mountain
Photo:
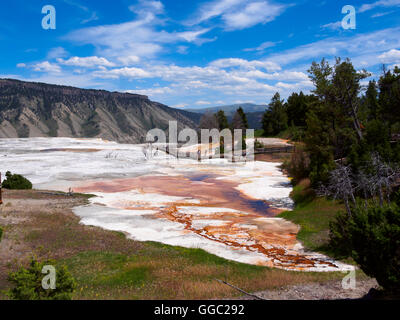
(255, 120)
(41, 110)
(254, 112)
(231, 109)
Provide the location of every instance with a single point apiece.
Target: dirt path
(319, 291)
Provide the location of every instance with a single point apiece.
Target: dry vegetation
(107, 265)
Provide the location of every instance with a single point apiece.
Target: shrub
(1, 233)
(298, 167)
(258, 144)
(375, 239)
(28, 283)
(16, 182)
(339, 236)
(302, 193)
(372, 237)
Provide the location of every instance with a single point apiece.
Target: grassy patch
(259, 133)
(314, 218)
(313, 215)
(160, 271)
(107, 265)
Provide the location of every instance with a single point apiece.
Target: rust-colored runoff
(272, 246)
(273, 238)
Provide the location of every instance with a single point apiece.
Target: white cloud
(86, 62)
(252, 14)
(46, 66)
(21, 65)
(391, 56)
(180, 106)
(202, 103)
(238, 14)
(285, 75)
(182, 49)
(152, 92)
(380, 3)
(381, 14)
(131, 73)
(364, 47)
(214, 9)
(236, 62)
(93, 17)
(262, 46)
(333, 25)
(147, 6)
(58, 52)
(232, 77)
(139, 37)
(129, 60)
(192, 36)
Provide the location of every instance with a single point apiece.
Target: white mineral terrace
(224, 208)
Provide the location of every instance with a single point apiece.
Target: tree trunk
(380, 196)
(357, 125)
(346, 201)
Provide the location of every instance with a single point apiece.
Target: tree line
(220, 121)
(342, 120)
(348, 134)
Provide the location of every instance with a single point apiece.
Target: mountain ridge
(231, 109)
(32, 109)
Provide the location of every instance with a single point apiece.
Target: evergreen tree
(240, 120)
(297, 106)
(222, 120)
(333, 125)
(208, 121)
(371, 101)
(275, 119)
(389, 96)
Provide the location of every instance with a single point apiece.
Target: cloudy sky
(187, 53)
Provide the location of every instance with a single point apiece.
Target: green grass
(313, 215)
(259, 133)
(196, 256)
(107, 265)
(314, 218)
(160, 271)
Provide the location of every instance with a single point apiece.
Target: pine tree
(222, 120)
(240, 120)
(275, 119)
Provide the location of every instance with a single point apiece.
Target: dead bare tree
(375, 179)
(340, 186)
(363, 183)
(208, 121)
(383, 178)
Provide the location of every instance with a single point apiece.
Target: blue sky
(193, 53)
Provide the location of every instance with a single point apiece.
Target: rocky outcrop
(42, 110)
